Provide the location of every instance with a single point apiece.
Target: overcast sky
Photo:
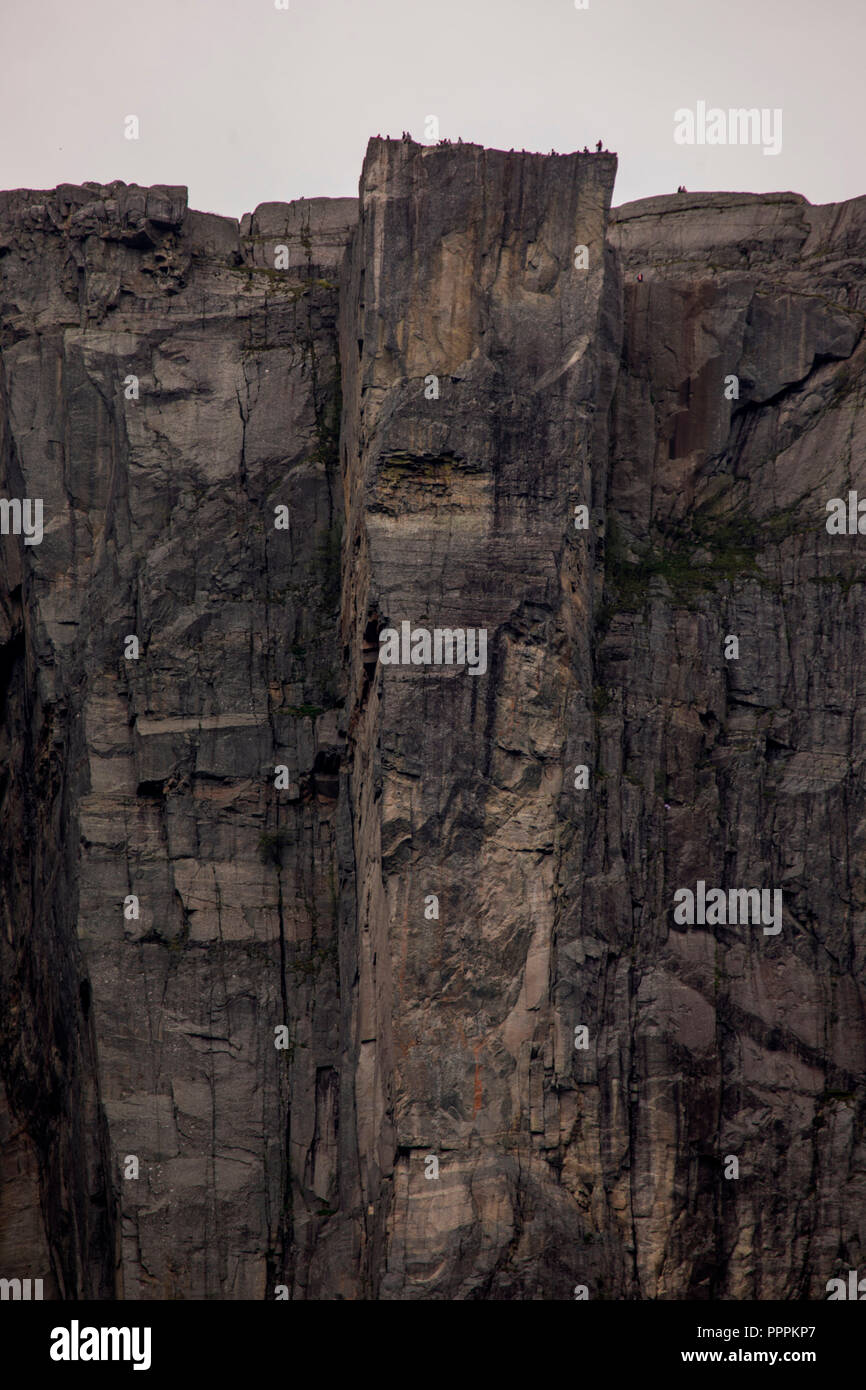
(246, 103)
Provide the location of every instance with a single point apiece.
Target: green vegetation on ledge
(693, 558)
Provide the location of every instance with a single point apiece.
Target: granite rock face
(156, 777)
(389, 869)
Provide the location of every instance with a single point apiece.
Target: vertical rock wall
(459, 511)
(393, 862)
(153, 1037)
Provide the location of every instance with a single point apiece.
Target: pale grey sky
(246, 103)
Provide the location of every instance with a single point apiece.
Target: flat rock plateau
(286, 929)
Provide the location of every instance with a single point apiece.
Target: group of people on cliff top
(407, 136)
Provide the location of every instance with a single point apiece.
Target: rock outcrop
(308, 941)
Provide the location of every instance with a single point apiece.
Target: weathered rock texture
(307, 905)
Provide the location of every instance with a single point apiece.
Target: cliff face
(393, 863)
(156, 777)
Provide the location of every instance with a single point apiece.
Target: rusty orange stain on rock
(479, 1089)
